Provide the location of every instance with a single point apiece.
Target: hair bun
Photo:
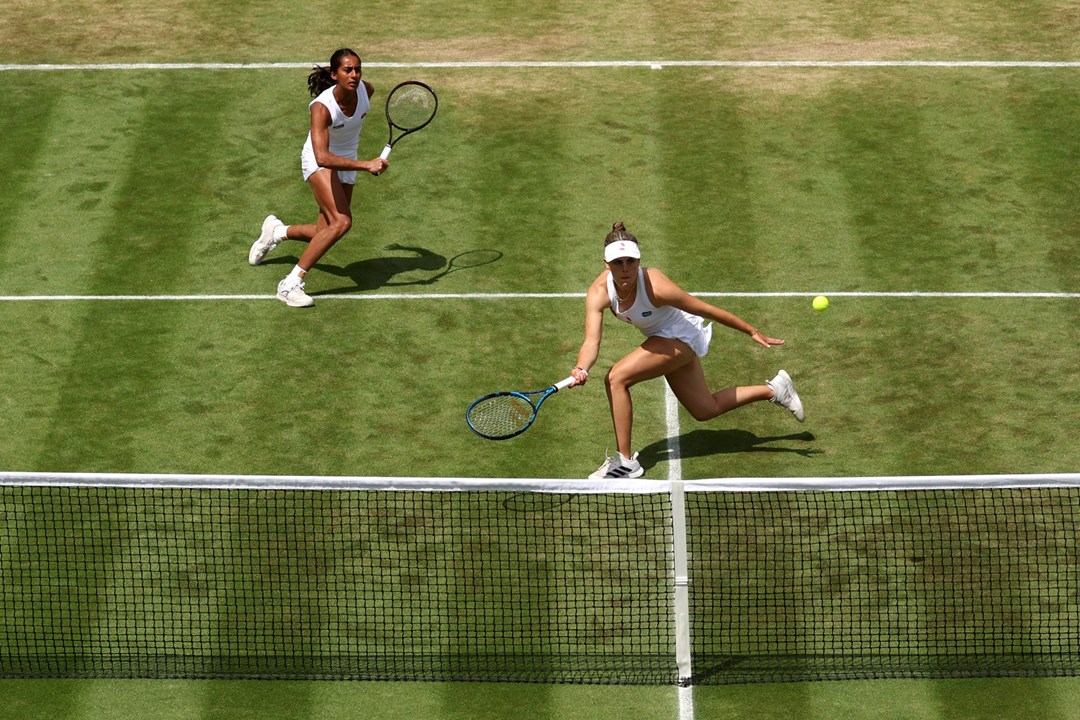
(618, 226)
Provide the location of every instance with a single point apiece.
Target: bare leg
(335, 217)
(688, 384)
(654, 358)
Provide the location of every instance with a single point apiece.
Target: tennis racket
(410, 106)
(504, 415)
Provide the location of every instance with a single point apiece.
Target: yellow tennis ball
(820, 302)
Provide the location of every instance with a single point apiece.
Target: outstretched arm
(666, 292)
(596, 301)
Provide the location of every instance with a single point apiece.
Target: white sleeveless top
(666, 321)
(344, 130)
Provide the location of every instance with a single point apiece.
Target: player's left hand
(766, 341)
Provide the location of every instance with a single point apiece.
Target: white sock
(297, 273)
(280, 232)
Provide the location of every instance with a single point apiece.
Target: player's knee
(339, 225)
(613, 379)
(342, 224)
(701, 414)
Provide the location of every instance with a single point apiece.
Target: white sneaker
(291, 292)
(619, 467)
(266, 241)
(784, 394)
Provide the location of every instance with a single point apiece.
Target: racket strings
(501, 415)
(411, 106)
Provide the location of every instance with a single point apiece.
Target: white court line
(686, 702)
(540, 296)
(568, 64)
(671, 409)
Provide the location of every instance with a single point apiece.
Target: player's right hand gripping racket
(410, 106)
(507, 414)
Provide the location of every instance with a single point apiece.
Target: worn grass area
(250, 31)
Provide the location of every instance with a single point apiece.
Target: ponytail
(319, 80)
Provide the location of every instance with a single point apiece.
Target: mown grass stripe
(912, 294)
(116, 361)
(512, 64)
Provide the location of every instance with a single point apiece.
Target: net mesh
(497, 582)
(356, 585)
(925, 583)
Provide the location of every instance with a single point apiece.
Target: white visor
(622, 248)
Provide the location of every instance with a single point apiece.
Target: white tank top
(344, 130)
(666, 321)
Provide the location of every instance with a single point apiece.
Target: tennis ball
(820, 302)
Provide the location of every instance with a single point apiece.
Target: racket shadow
(702, 443)
(375, 273)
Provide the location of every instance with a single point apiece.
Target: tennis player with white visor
(676, 338)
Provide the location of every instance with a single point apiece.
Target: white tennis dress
(344, 132)
(667, 321)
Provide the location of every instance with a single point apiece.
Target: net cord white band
(548, 485)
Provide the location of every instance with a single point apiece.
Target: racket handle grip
(564, 383)
(385, 154)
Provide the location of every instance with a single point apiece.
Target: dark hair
(618, 232)
(320, 77)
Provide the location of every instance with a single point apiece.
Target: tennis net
(640, 582)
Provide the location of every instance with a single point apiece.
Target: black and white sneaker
(619, 467)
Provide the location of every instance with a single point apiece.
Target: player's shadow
(375, 273)
(702, 442)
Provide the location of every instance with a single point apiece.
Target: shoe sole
(629, 476)
(799, 413)
(290, 303)
(266, 237)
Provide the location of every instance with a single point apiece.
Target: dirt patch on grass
(287, 30)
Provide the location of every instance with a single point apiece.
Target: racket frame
(527, 396)
(405, 131)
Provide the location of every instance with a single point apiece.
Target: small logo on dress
(338, 127)
(647, 313)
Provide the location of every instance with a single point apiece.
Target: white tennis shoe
(784, 394)
(619, 467)
(266, 241)
(291, 292)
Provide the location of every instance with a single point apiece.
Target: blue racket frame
(527, 396)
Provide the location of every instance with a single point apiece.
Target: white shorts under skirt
(308, 166)
(694, 333)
